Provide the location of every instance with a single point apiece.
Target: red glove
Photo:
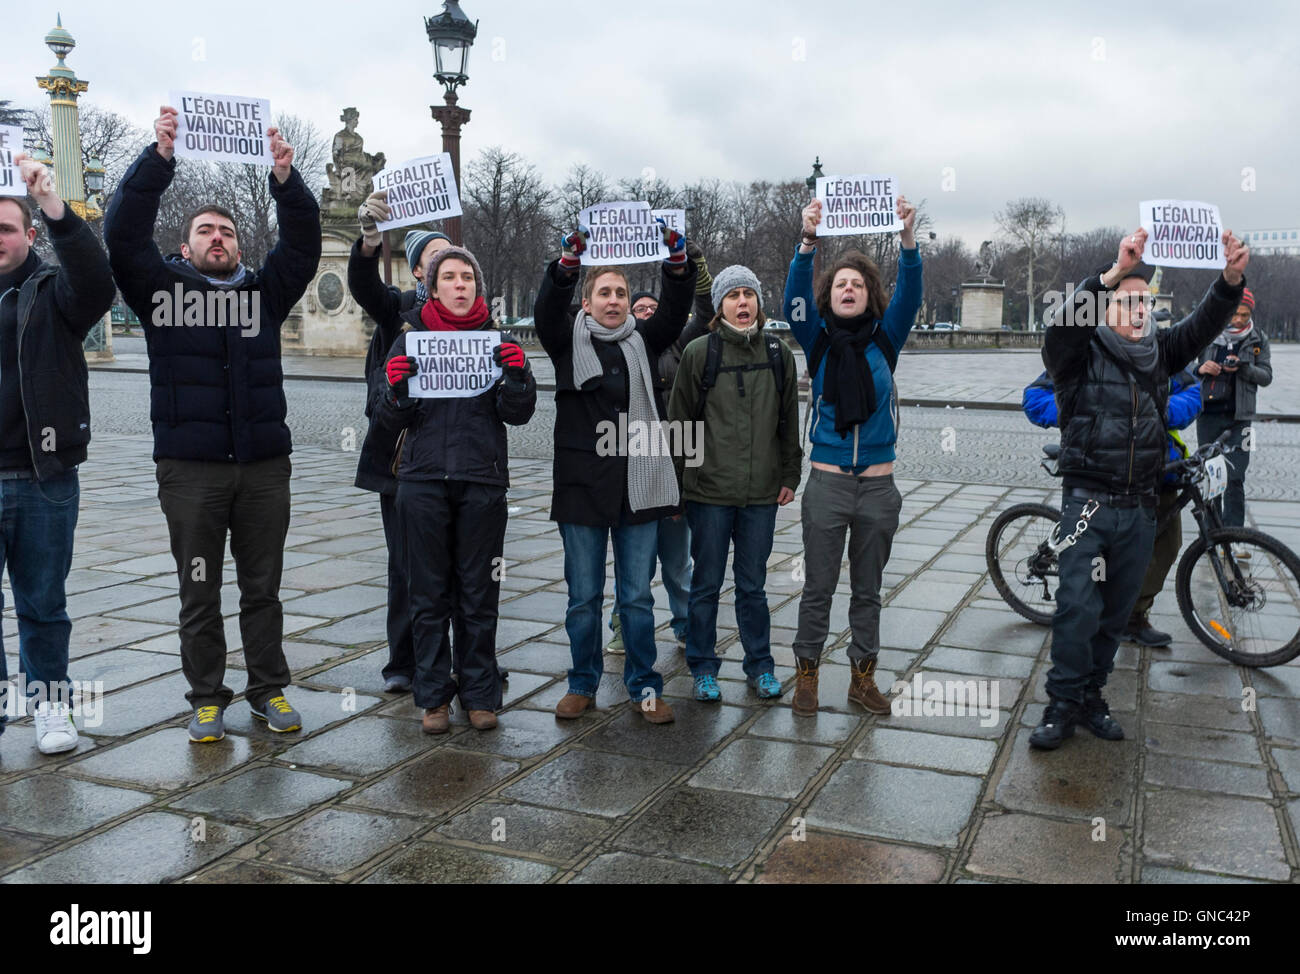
(510, 357)
(399, 369)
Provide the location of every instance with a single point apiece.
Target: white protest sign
(621, 233)
(11, 143)
(452, 364)
(857, 204)
(222, 128)
(1182, 233)
(419, 191)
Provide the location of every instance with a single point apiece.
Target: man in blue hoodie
(1039, 404)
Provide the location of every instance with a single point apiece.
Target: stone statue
(350, 174)
(984, 263)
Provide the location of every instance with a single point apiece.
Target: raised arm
(799, 305)
(1181, 343)
(83, 286)
(291, 265)
(128, 226)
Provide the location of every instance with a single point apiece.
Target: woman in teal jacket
(851, 335)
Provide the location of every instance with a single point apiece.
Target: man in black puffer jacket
(1112, 387)
(212, 328)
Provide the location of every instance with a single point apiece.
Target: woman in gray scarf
(613, 472)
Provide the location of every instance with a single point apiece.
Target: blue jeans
(37, 523)
(584, 573)
(674, 568)
(713, 528)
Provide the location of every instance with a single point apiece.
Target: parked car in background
(945, 326)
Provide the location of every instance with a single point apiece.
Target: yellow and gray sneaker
(279, 716)
(207, 725)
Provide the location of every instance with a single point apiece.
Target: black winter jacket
(216, 390)
(452, 439)
(590, 489)
(55, 308)
(384, 304)
(1113, 420)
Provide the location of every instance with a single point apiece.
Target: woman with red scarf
(451, 463)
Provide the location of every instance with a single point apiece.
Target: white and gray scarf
(651, 480)
(1226, 337)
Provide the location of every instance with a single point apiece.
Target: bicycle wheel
(1024, 573)
(1253, 619)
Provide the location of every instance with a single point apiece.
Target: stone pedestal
(981, 305)
(328, 320)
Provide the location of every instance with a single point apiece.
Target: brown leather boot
(437, 720)
(655, 710)
(482, 719)
(862, 687)
(572, 705)
(804, 702)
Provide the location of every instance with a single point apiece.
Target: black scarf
(847, 384)
(19, 274)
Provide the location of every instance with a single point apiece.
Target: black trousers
(1100, 577)
(401, 646)
(453, 536)
(202, 501)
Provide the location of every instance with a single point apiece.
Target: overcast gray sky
(1096, 105)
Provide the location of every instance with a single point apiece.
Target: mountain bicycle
(1238, 589)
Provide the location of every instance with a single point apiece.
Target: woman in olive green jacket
(736, 391)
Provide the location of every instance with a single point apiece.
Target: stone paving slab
(1200, 791)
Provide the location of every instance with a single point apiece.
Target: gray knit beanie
(460, 253)
(416, 241)
(730, 278)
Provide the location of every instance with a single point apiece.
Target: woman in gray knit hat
(613, 475)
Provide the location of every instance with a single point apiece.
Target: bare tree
(1033, 223)
(584, 187)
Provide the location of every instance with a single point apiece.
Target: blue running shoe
(706, 688)
(767, 685)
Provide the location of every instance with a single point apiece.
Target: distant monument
(982, 299)
(327, 321)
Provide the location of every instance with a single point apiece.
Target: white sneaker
(55, 731)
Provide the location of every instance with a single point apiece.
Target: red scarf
(436, 317)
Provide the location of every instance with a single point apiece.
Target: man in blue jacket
(212, 328)
(1039, 403)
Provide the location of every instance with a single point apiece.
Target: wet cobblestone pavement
(1199, 791)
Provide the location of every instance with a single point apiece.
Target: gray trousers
(866, 508)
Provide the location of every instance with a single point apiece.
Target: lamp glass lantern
(94, 176)
(452, 35)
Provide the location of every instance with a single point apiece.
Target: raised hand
(906, 212)
(281, 153)
(1130, 251)
(40, 184)
(1237, 255)
(674, 241)
(572, 246)
(164, 131)
(812, 216)
(373, 211)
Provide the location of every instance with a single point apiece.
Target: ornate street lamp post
(811, 183)
(452, 35)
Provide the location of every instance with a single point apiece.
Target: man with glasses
(1112, 391)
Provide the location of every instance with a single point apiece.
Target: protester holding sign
(452, 466)
(218, 410)
(384, 304)
(1112, 390)
(604, 381)
(750, 464)
(1232, 369)
(46, 311)
(851, 334)
(674, 546)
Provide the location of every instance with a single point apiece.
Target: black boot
(1057, 724)
(1140, 630)
(1097, 718)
